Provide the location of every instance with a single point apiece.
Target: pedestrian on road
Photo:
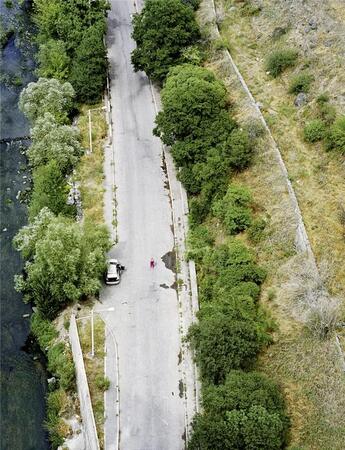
(152, 263)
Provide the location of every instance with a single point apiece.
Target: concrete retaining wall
(89, 425)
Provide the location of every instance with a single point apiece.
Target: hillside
(309, 369)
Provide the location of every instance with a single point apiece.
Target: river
(23, 378)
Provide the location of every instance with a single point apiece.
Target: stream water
(23, 378)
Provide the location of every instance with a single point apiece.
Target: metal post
(90, 131)
(92, 337)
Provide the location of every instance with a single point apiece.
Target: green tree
(234, 209)
(192, 99)
(47, 96)
(53, 60)
(65, 262)
(52, 141)
(50, 190)
(88, 71)
(162, 31)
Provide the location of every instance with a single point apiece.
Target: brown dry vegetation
(309, 370)
(90, 169)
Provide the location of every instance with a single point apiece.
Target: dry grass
(309, 370)
(90, 169)
(94, 368)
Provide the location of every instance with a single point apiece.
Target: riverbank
(23, 376)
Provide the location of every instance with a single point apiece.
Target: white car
(114, 270)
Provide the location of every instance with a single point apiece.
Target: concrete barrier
(89, 425)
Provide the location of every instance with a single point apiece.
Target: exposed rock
(301, 99)
(278, 32)
(313, 24)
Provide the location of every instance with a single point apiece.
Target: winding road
(153, 391)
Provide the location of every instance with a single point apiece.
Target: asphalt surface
(146, 322)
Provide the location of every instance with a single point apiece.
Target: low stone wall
(89, 425)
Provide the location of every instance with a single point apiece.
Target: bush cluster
(207, 146)
(64, 259)
(335, 138)
(206, 142)
(300, 83)
(60, 364)
(279, 60)
(246, 412)
(71, 47)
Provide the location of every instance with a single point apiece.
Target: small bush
(335, 139)
(327, 113)
(279, 60)
(102, 382)
(256, 231)
(322, 99)
(234, 209)
(314, 131)
(300, 83)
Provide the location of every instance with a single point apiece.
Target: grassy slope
(94, 368)
(308, 370)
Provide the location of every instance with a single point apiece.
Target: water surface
(23, 379)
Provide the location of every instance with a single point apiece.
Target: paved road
(146, 320)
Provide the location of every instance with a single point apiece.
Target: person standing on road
(152, 263)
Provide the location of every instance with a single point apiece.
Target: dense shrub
(43, 330)
(279, 60)
(60, 363)
(256, 232)
(54, 423)
(300, 83)
(314, 131)
(50, 190)
(246, 412)
(335, 138)
(65, 261)
(226, 337)
(162, 30)
(234, 209)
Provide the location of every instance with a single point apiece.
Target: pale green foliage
(66, 260)
(52, 141)
(47, 96)
(53, 60)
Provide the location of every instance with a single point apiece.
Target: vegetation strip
(64, 247)
(232, 327)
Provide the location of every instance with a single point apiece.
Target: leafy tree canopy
(52, 141)
(162, 31)
(192, 99)
(66, 260)
(47, 96)
(88, 71)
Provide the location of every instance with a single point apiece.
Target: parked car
(114, 270)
